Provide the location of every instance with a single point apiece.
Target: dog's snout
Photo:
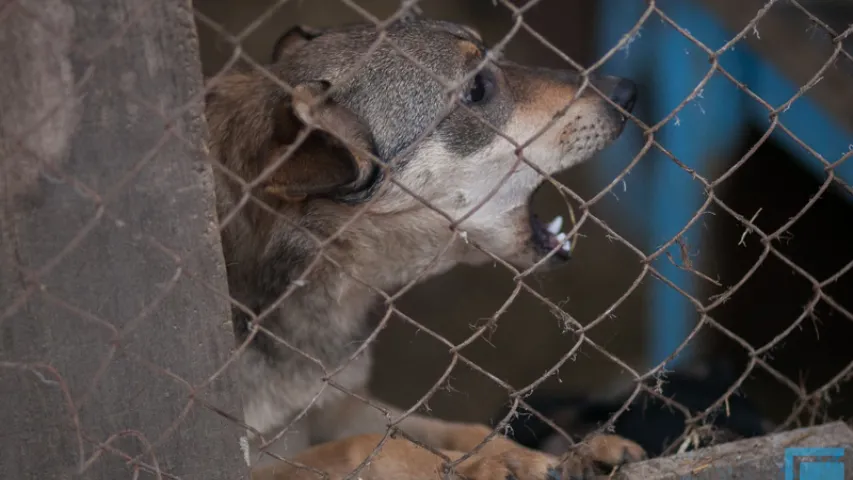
(624, 93)
(621, 91)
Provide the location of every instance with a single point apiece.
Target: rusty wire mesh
(644, 381)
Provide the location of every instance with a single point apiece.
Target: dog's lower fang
(549, 237)
(566, 245)
(555, 228)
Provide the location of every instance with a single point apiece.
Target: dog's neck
(318, 308)
(310, 334)
(333, 294)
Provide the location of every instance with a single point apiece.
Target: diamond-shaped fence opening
(170, 308)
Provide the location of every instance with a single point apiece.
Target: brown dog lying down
(297, 367)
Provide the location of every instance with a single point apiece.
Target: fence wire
(810, 403)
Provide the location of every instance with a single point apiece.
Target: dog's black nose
(624, 93)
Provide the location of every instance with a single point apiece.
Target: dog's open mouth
(547, 237)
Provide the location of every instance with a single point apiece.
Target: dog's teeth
(556, 225)
(564, 242)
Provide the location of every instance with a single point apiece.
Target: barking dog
(311, 288)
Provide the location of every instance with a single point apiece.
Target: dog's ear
(334, 160)
(292, 39)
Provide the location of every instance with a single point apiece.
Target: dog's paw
(608, 451)
(613, 450)
(516, 464)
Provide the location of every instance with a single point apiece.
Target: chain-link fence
(117, 348)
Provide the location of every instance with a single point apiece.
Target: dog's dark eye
(481, 88)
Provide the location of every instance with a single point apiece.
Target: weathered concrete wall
(110, 324)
